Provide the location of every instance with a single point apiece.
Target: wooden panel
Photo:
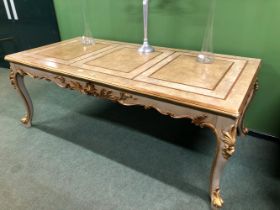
(74, 50)
(124, 59)
(68, 52)
(186, 70)
(180, 71)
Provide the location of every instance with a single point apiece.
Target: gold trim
(13, 74)
(217, 200)
(13, 78)
(25, 120)
(245, 130)
(200, 120)
(163, 112)
(257, 85)
(89, 88)
(229, 139)
(197, 120)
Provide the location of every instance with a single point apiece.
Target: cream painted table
(168, 80)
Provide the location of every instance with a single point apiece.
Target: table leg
(226, 140)
(17, 80)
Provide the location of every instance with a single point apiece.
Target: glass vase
(87, 38)
(206, 55)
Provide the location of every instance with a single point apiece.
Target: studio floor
(84, 153)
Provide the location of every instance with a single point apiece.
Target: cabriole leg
(17, 80)
(226, 139)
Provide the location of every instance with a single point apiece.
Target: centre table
(169, 80)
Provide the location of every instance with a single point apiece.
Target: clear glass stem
(87, 38)
(206, 55)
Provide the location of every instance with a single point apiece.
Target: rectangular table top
(169, 74)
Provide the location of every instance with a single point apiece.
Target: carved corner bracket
(228, 137)
(13, 73)
(200, 120)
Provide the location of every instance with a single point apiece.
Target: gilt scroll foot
(17, 80)
(216, 199)
(226, 140)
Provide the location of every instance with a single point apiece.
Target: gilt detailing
(229, 139)
(216, 198)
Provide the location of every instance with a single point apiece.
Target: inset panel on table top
(121, 61)
(180, 71)
(186, 70)
(124, 59)
(71, 50)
